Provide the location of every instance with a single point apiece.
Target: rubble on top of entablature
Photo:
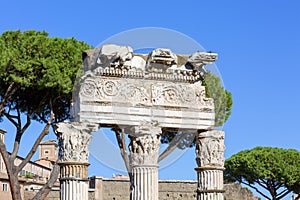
(120, 61)
(114, 55)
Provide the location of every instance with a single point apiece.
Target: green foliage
(275, 169)
(44, 70)
(28, 175)
(222, 98)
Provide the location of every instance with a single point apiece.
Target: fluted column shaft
(210, 159)
(145, 183)
(74, 138)
(144, 147)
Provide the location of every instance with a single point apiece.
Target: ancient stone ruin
(144, 94)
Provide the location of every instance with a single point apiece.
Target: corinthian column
(144, 147)
(210, 160)
(74, 139)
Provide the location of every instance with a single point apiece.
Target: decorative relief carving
(144, 144)
(166, 93)
(135, 93)
(210, 148)
(144, 150)
(146, 128)
(110, 88)
(100, 88)
(120, 91)
(89, 88)
(176, 94)
(202, 99)
(143, 92)
(73, 140)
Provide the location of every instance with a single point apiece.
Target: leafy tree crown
(44, 70)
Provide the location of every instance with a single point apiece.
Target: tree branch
(282, 194)
(122, 146)
(278, 186)
(44, 191)
(28, 122)
(5, 157)
(12, 88)
(263, 184)
(171, 147)
(125, 154)
(256, 189)
(42, 118)
(10, 118)
(36, 144)
(19, 117)
(20, 133)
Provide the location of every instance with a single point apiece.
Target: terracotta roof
(49, 142)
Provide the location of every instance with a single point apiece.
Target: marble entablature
(120, 87)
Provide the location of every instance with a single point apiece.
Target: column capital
(143, 157)
(210, 149)
(73, 139)
(146, 128)
(144, 144)
(144, 150)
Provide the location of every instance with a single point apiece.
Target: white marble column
(74, 138)
(210, 160)
(144, 147)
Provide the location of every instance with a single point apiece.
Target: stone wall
(236, 191)
(118, 189)
(177, 190)
(114, 189)
(53, 195)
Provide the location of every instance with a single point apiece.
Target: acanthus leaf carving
(144, 144)
(73, 140)
(210, 148)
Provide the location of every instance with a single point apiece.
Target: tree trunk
(44, 191)
(14, 186)
(9, 160)
(12, 175)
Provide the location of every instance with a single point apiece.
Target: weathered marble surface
(73, 140)
(210, 149)
(143, 94)
(123, 88)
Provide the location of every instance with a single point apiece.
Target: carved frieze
(178, 94)
(73, 140)
(210, 148)
(145, 92)
(114, 90)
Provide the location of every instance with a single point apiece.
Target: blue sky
(258, 43)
